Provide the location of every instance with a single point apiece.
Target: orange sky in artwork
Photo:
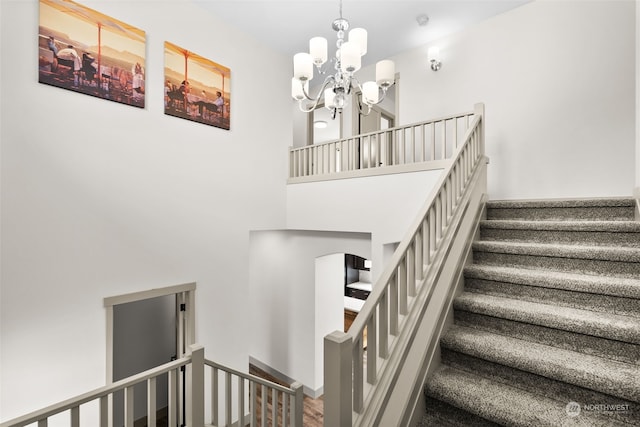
(81, 24)
(198, 68)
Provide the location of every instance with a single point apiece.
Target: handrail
(389, 313)
(402, 148)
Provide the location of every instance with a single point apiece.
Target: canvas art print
(89, 52)
(196, 88)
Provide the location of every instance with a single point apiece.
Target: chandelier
(338, 86)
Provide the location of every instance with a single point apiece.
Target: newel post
(478, 109)
(338, 400)
(195, 387)
(298, 405)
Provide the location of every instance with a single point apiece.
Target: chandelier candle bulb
(385, 73)
(370, 94)
(302, 66)
(359, 36)
(329, 97)
(318, 50)
(350, 59)
(296, 89)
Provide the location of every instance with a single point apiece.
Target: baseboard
(636, 195)
(314, 394)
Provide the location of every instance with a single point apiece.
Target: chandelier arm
(361, 110)
(384, 94)
(304, 109)
(315, 100)
(353, 79)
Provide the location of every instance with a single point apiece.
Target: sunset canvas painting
(196, 88)
(86, 51)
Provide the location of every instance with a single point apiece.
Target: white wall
(329, 307)
(384, 206)
(100, 199)
(560, 116)
(288, 317)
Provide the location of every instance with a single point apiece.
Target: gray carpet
(547, 330)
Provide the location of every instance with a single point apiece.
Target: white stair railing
(286, 402)
(402, 148)
(287, 410)
(357, 381)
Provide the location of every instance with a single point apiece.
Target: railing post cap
(337, 337)
(195, 347)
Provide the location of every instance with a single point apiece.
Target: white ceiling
(287, 25)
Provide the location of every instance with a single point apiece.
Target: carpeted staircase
(547, 330)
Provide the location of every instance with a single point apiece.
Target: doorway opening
(145, 330)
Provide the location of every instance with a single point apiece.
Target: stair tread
(615, 286)
(600, 324)
(503, 403)
(567, 225)
(563, 203)
(608, 253)
(596, 373)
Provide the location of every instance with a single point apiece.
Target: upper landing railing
(420, 146)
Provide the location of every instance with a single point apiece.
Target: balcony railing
(419, 146)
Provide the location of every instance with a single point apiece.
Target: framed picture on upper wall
(86, 51)
(196, 88)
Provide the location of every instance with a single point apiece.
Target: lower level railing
(251, 401)
(268, 401)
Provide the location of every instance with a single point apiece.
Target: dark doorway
(144, 337)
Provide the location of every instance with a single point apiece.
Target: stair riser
(576, 265)
(565, 298)
(553, 280)
(440, 414)
(592, 345)
(622, 213)
(562, 237)
(560, 391)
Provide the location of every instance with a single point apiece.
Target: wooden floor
(313, 408)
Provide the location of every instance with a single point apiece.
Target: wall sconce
(433, 54)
